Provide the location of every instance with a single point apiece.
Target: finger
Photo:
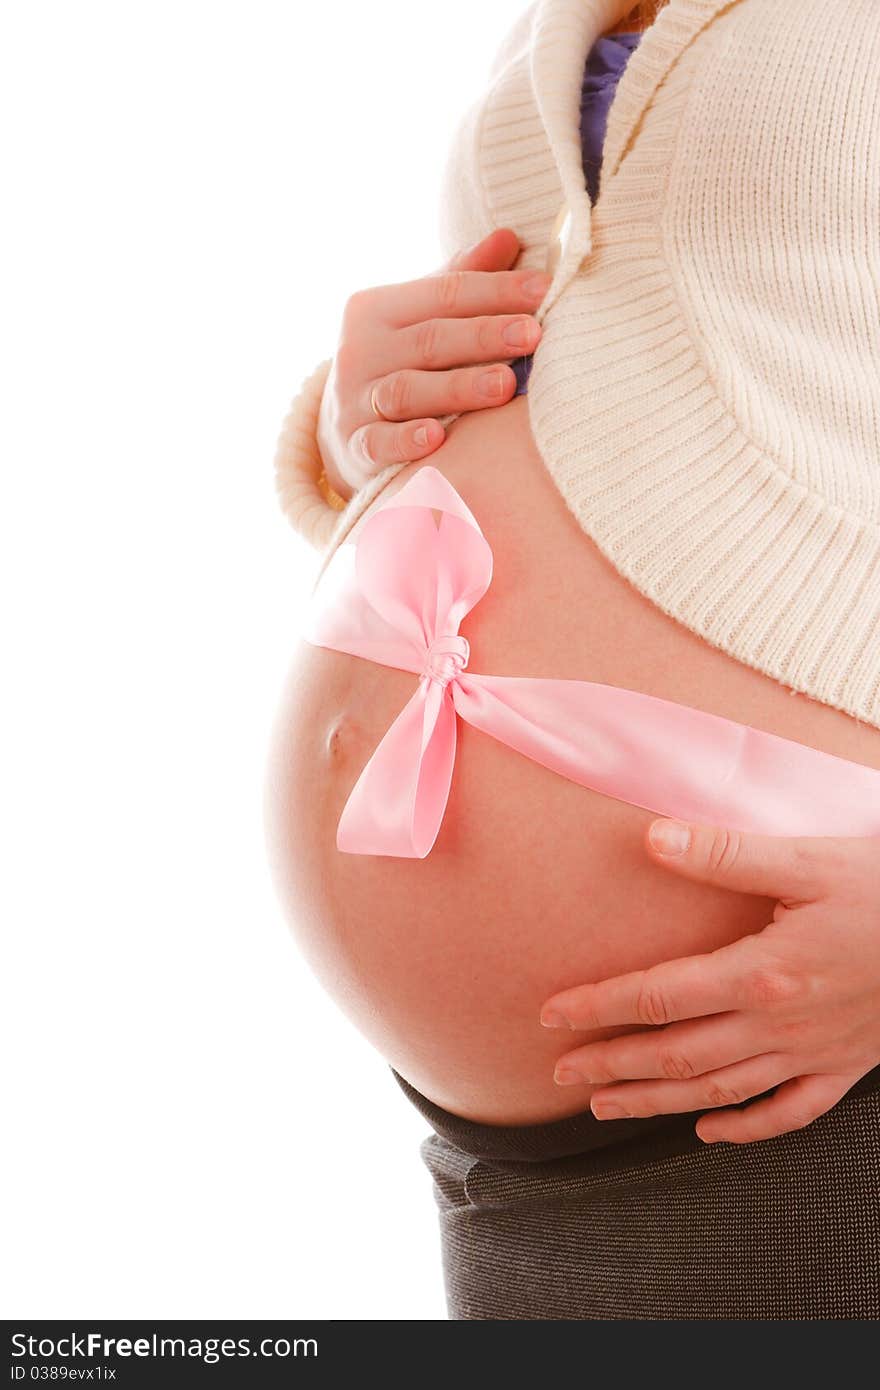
(795, 1105)
(681, 1051)
(380, 444)
(434, 344)
(497, 251)
(727, 1086)
(454, 294)
(738, 976)
(781, 867)
(411, 394)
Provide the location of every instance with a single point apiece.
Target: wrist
(336, 489)
(331, 495)
(305, 494)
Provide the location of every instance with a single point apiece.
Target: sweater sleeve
(302, 495)
(313, 510)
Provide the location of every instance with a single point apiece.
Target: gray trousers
(784, 1229)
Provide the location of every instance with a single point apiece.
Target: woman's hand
(412, 347)
(795, 1006)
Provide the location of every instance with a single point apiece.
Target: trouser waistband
(629, 1139)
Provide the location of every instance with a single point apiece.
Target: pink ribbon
(398, 595)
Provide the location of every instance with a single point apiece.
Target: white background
(192, 190)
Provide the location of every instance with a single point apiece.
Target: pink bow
(397, 597)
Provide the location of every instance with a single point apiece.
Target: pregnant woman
(666, 492)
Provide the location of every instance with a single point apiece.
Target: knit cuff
(306, 499)
(316, 513)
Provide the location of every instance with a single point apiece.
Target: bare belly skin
(534, 884)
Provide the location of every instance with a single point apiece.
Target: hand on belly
(534, 883)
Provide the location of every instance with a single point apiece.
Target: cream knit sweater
(706, 392)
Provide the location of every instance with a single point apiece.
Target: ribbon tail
(396, 807)
(671, 759)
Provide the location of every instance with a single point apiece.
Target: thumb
(497, 251)
(771, 866)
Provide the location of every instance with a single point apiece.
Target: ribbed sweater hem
(650, 460)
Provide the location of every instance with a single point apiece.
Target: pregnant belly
(534, 883)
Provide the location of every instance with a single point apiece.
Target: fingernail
(518, 334)
(491, 384)
(609, 1110)
(536, 286)
(670, 836)
(552, 1018)
(421, 436)
(566, 1076)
